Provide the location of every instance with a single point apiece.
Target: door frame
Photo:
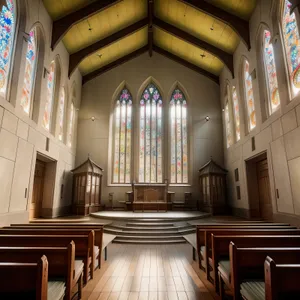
(252, 184)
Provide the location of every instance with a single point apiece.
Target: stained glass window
(122, 138)
(179, 137)
(249, 96)
(30, 70)
(71, 125)
(236, 111)
(150, 152)
(49, 97)
(227, 120)
(61, 114)
(7, 34)
(271, 74)
(292, 46)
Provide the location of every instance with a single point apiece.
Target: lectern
(87, 183)
(212, 180)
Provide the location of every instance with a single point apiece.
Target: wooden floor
(147, 272)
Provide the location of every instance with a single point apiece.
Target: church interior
(149, 149)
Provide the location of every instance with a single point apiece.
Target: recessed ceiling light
(99, 55)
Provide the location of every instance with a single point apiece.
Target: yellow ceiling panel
(197, 23)
(188, 51)
(240, 8)
(59, 8)
(114, 51)
(104, 24)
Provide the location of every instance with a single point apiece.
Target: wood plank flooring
(152, 272)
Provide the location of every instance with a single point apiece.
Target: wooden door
(265, 204)
(38, 187)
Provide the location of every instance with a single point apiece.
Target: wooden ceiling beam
(61, 26)
(222, 55)
(77, 57)
(114, 64)
(150, 25)
(240, 26)
(186, 63)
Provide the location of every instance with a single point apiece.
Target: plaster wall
(277, 134)
(21, 136)
(98, 96)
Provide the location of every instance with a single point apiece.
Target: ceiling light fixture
(207, 118)
(99, 55)
(90, 28)
(203, 54)
(212, 26)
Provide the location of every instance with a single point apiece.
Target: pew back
(248, 263)
(31, 279)
(281, 280)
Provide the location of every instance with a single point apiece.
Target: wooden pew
(94, 225)
(204, 237)
(84, 246)
(281, 281)
(61, 262)
(220, 248)
(241, 223)
(61, 230)
(248, 264)
(24, 280)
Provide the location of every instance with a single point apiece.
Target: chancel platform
(169, 216)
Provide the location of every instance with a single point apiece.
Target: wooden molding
(114, 64)
(222, 55)
(186, 63)
(240, 26)
(150, 25)
(77, 57)
(61, 26)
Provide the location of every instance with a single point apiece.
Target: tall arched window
(122, 138)
(249, 96)
(61, 114)
(236, 111)
(30, 71)
(270, 73)
(50, 96)
(292, 46)
(7, 35)
(71, 117)
(179, 137)
(227, 119)
(150, 137)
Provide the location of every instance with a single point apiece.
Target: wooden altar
(152, 196)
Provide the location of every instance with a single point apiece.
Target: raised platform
(175, 216)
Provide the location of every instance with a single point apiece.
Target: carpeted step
(142, 224)
(147, 228)
(150, 238)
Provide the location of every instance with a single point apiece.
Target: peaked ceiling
(101, 34)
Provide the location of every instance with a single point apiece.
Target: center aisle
(147, 272)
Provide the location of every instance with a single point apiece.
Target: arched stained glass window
(30, 71)
(50, 96)
(122, 138)
(7, 35)
(71, 125)
(227, 120)
(71, 117)
(292, 46)
(236, 111)
(271, 74)
(150, 144)
(249, 96)
(61, 114)
(179, 138)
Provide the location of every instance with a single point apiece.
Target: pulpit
(87, 183)
(149, 196)
(212, 180)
